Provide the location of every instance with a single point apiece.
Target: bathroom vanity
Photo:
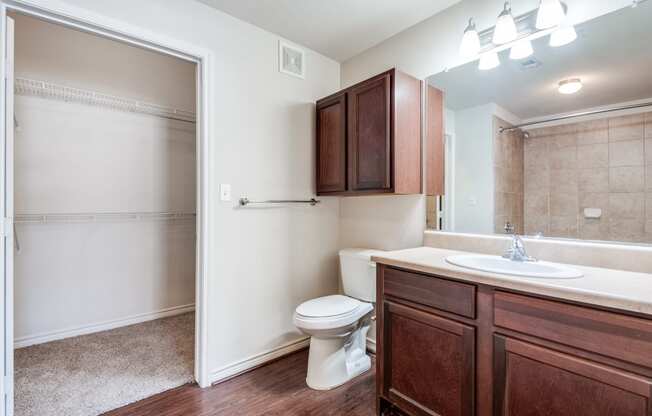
(455, 341)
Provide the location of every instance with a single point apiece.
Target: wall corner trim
(240, 367)
(44, 337)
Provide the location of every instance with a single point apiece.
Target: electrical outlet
(225, 192)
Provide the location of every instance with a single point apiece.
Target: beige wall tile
(648, 125)
(536, 154)
(593, 132)
(537, 205)
(628, 230)
(563, 204)
(627, 128)
(648, 206)
(629, 153)
(627, 205)
(593, 180)
(537, 225)
(593, 156)
(594, 229)
(562, 157)
(537, 180)
(564, 181)
(627, 179)
(565, 226)
(648, 149)
(648, 178)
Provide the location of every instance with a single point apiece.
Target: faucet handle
(509, 228)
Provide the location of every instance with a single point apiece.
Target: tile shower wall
(605, 164)
(508, 174)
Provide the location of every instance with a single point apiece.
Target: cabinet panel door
(331, 145)
(536, 381)
(370, 158)
(428, 362)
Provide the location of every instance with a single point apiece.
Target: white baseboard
(371, 345)
(237, 368)
(44, 337)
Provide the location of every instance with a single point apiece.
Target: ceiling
(612, 56)
(339, 29)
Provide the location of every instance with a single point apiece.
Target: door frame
(80, 19)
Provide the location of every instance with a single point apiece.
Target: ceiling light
(489, 61)
(505, 30)
(551, 13)
(570, 86)
(521, 49)
(470, 46)
(563, 36)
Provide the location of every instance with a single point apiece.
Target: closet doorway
(106, 231)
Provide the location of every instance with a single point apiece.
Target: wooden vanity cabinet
(369, 137)
(447, 347)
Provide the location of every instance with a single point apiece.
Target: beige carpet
(91, 374)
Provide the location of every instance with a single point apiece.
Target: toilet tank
(359, 273)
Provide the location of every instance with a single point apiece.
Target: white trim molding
(255, 361)
(61, 12)
(100, 326)
(51, 91)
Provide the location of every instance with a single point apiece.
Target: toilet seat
(330, 312)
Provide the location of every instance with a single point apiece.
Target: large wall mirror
(556, 144)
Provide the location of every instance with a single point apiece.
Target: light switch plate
(225, 192)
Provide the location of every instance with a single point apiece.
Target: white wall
(474, 170)
(79, 277)
(263, 261)
(423, 50)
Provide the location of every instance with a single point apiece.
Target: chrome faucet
(516, 250)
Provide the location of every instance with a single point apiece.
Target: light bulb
(570, 86)
(550, 14)
(470, 42)
(563, 36)
(521, 49)
(505, 30)
(488, 61)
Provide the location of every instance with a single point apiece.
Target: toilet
(338, 324)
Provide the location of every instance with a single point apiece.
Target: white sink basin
(500, 265)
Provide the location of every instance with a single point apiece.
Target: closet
(105, 220)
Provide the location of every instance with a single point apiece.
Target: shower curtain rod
(574, 115)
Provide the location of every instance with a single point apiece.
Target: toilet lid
(328, 306)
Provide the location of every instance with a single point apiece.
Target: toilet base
(334, 361)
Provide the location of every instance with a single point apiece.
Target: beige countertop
(628, 291)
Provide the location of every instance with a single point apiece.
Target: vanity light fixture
(470, 46)
(570, 86)
(505, 30)
(489, 60)
(551, 13)
(563, 35)
(521, 49)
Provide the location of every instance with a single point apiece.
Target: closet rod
(52, 91)
(100, 216)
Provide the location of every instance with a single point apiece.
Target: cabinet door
(536, 381)
(427, 363)
(369, 123)
(331, 145)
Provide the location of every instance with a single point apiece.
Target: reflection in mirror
(558, 144)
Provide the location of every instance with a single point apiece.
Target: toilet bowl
(338, 324)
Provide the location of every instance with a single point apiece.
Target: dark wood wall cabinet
(369, 137)
(452, 348)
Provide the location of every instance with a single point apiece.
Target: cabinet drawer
(610, 334)
(446, 295)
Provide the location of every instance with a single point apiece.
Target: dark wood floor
(275, 389)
